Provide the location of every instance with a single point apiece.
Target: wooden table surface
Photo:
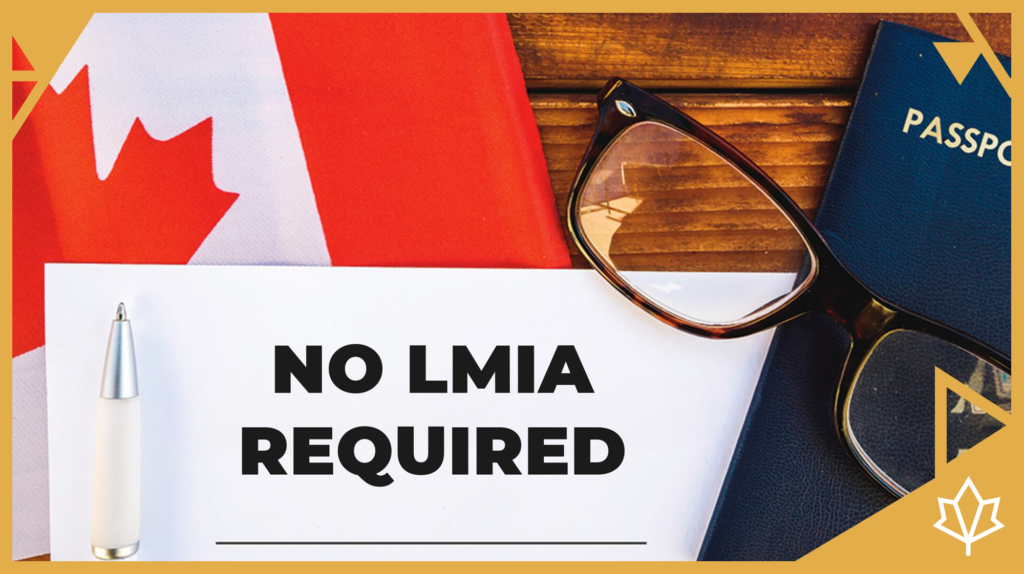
(777, 86)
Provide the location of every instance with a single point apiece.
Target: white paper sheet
(205, 339)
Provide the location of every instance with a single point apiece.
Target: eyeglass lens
(689, 230)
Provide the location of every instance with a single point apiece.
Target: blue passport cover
(925, 224)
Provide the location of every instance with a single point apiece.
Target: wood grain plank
(736, 261)
(793, 137)
(718, 51)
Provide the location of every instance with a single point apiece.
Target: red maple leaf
(157, 205)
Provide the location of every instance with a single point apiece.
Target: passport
(918, 207)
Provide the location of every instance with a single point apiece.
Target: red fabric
(19, 93)
(419, 139)
(20, 62)
(156, 206)
(19, 90)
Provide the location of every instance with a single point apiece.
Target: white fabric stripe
(30, 506)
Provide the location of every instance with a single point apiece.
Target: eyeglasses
(693, 232)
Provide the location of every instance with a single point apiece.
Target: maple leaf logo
(158, 204)
(965, 535)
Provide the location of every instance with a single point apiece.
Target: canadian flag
(268, 139)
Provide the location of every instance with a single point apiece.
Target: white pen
(116, 488)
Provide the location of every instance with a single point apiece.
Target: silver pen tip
(121, 314)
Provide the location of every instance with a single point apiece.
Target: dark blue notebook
(924, 223)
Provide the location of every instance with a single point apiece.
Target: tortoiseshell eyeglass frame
(830, 288)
